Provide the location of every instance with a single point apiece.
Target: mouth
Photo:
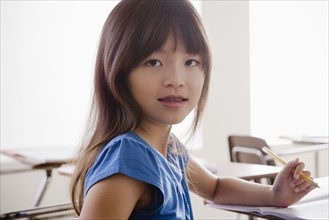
(173, 99)
(173, 102)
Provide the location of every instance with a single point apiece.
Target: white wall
(228, 111)
(47, 59)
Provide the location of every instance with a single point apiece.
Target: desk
(37, 159)
(41, 157)
(312, 206)
(247, 171)
(307, 139)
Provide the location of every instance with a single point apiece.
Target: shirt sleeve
(128, 157)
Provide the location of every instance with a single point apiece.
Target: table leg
(43, 187)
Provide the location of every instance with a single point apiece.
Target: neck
(156, 136)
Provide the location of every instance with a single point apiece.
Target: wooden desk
(41, 157)
(307, 139)
(247, 171)
(312, 206)
(35, 159)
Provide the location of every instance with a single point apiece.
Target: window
(289, 68)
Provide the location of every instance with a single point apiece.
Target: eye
(192, 63)
(153, 63)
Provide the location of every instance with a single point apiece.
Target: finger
(303, 186)
(299, 180)
(291, 165)
(299, 170)
(289, 169)
(310, 188)
(307, 173)
(295, 183)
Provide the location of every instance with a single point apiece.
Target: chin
(176, 121)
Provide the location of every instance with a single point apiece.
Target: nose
(174, 77)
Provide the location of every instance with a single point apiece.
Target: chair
(248, 149)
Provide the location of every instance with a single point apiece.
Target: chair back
(248, 149)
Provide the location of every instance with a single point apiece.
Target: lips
(173, 102)
(172, 99)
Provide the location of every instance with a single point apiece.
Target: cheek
(197, 85)
(142, 90)
(135, 84)
(138, 91)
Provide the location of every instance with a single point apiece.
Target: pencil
(282, 161)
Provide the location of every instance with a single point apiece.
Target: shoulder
(128, 150)
(126, 154)
(123, 145)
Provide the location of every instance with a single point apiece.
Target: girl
(152, 70)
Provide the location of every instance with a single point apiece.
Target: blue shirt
(130, 155)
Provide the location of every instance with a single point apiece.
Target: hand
(289, 187)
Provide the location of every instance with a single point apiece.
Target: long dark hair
(133, 31)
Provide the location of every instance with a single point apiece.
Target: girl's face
(167, 85)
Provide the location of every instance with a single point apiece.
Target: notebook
(313, 206)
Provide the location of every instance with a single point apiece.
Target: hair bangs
(164, 18)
